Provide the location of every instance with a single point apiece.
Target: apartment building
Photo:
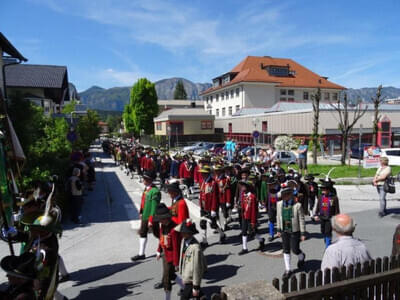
(263, 81)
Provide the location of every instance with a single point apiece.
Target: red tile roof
(249, 70)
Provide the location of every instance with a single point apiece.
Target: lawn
(343, 171)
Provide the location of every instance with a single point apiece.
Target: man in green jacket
(151, 197)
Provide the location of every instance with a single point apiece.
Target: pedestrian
(383, 172)
(396, 242)
(272, 200)
(179, 208)
(312, 193)
(249, 216)
(291, 228)
(75, 188)
(169, 247)
(346, 250)
(151, 197)
(223, 193)
(192, 263)
(327, 207)
(209, 205)
(302, 156)
(228, 149)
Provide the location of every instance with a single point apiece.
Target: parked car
(217, 148)
(249, 148)
(358, 153)
(203, 149)
(195, 146)
(286, 157)
(393, 154)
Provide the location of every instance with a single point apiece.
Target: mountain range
(115, 98)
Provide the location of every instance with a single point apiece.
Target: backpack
(389, 185)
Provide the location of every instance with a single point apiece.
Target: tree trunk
(344, 148)
(314, 151)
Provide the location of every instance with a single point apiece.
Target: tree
(142, 109)
(316, 98)
(180, 92)
(377, 101)
(285, 142)
(345, 125)
(88, 130)
(113, 122)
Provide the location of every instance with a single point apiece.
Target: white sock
(286, 258)
(258, 237)
(179, 281)
(142, 244)
(244, 242)
(167, 295)
(61, 266)
(301, 256)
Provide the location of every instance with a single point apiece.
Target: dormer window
(216, 82)
(226, 79)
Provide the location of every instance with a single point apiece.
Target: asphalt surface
(97, 254)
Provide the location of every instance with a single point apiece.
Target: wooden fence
(376, 279)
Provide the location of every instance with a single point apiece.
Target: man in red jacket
(209, 205)
(224, 193)
(186, 172)
(179, 209)
(169, 246)
(249, 207)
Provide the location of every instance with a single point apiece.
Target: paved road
(98, 254)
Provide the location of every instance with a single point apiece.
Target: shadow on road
(110, 292)
(221, 272)
(84, 276)
(213, 259)
(312, 265)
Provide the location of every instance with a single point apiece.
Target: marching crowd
(233, 189)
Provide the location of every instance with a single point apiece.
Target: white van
(393, 154)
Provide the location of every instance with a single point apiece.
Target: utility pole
(359, 150)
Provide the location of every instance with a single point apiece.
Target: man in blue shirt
(302, 159)
(228, 148)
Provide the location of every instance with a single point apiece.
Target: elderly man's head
(343, 224)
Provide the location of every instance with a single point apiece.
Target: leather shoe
(138, 257)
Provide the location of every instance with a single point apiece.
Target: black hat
(271, 179)
(173, 185)
(309, 177)
(285, 188)
(22, 266)
(148, 175)
(187, 226)
(327, 183)
(162, 212)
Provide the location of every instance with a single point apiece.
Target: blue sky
(114, 42)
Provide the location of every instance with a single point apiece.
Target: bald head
(343, 224)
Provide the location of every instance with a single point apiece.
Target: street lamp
(169, 137)
(359, 150)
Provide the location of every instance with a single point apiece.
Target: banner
(371, 157)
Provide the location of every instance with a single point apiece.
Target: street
(97, 254)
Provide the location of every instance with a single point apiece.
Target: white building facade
(262, 82)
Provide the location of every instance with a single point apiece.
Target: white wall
(259, 95)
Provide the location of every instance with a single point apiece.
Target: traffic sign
(256, 134)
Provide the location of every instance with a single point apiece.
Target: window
(222, 96)
(211, 98)
(326, 96)
(223, 112)
(237, 92)
(264, 126)
(334, 96)
(206, 125)
(282, 99)
(290, 99)
(278, 71)
(290, 92)
(283, 92)
(237, 108)
(216, 97)
(227, 95)
(231, 93)
(230, 110)
(207, 99)
(217, 112)
(230, 127)
(159, 126)
(305, 96)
